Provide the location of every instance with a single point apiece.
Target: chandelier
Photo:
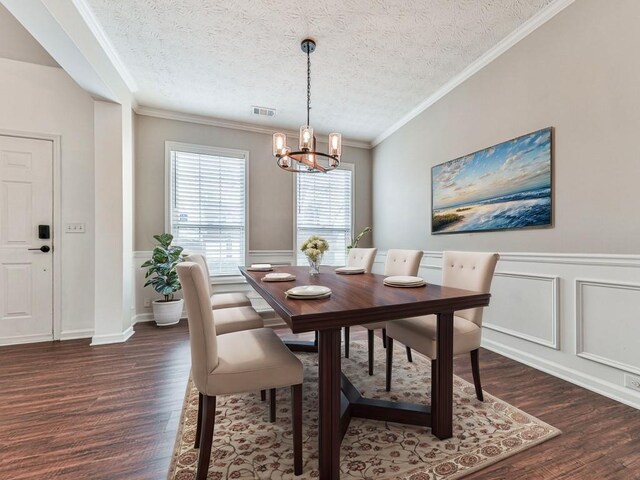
(307, 159)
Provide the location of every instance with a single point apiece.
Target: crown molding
(218, 122)
(92, 22)
(505, 44)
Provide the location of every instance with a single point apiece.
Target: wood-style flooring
(70, 411)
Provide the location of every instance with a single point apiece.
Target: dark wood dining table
(357, 300)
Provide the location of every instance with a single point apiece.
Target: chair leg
(347, 337)
(384, 337)
(370, 348)
(272, 405)
(296, 420)
(389, 361)
(206, 436)
(263, 395)
(199, 425)
(315, 339)
(475, 369)
(409, 356)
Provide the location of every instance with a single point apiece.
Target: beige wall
(579, 73)
(270, 189)
(16, 43)
(37, 99)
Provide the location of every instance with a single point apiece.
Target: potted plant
(164, 279)
(355, 241)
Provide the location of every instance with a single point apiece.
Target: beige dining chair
(399, 262)
(234, 363)
(362, 258)
(219, 300)
(466, 270)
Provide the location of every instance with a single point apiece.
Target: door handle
(43, 248)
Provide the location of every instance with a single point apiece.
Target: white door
(26, 202)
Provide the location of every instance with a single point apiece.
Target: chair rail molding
(572, 315)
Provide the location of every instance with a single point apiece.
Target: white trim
(94, 25)
(580, 352)
(270, 253)
(243, 155)
(343, 166)
(606, 389)
(56, 235)
(219, 122)
(112, 337)
(505, 44)
(142, 318)
(21, 339)
(555, 309)
(76, 334)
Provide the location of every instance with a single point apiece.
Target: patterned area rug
(246, 445)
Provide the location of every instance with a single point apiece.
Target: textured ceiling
(375, 60)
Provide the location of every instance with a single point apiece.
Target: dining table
(357, 300)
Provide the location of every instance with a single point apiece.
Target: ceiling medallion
(306, 159)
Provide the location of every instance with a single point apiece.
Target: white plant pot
(167, 313)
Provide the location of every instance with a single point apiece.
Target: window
(207, 211)
(324, 207)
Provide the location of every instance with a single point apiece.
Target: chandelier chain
(308, 84)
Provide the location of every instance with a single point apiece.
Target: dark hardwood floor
(70, 411)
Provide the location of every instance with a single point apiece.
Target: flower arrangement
(313, 248)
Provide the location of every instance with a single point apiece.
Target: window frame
(241, 155)
(343, 166)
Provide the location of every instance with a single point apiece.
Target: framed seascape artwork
(501, 187)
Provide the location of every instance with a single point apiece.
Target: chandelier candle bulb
(306, 138)
(335, 144)
(279, 144)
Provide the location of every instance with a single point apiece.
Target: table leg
(329, 378)
(442, 379)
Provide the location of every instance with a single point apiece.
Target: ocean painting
(501, 187)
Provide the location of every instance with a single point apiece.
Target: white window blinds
(324, 207)
(208, 207)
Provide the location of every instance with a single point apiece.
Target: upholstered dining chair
(466, 270)
(234, 363)
(399, 262)
(362, 258)
(237, 313)
(219, 300)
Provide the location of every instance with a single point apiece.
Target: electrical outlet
(632, 382)
(147, 302)
(74, 227)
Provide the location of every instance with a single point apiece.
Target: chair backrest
(362, 257)
(202, 329)
(403, 262)
(202, 261)
(470, 271)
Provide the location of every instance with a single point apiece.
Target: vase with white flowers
(314, 248)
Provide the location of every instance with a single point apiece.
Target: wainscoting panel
(599, 305)
(525, 306)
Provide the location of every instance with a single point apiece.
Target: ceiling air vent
(263, 111)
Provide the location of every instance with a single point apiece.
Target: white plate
(278, 277)
(407, 285)
(403, 280)
(350, 270)
(307, 297)
(308, 291)
(260, 267)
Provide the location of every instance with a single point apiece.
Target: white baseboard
(19, 340)
(112, 338)
(142, 318)
(76, 334)
(592, 383)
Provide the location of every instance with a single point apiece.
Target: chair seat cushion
(375, 325)
(253, 360)
(235, 319)
(228, 300)
(419, 333)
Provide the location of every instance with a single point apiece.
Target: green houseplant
(162, 276)
(354, 242)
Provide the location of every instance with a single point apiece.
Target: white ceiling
(375, 60)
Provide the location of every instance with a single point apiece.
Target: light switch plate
(632, 382)
(74, 227)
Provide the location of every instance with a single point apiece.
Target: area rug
(247, 446)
